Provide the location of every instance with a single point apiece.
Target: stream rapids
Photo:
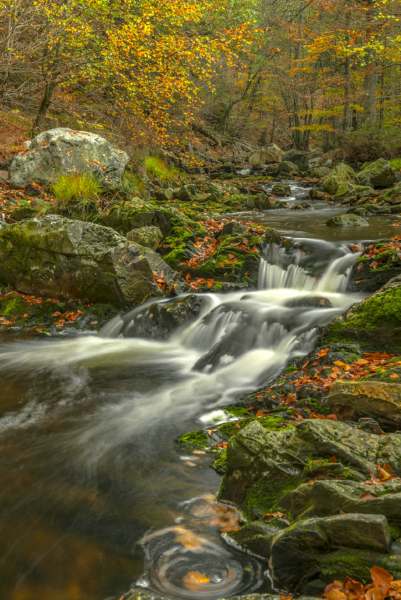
(92, 481)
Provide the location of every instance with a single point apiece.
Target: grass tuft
(76, 186)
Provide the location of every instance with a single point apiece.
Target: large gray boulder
(60, 257)
(61, 151)
(266, 155)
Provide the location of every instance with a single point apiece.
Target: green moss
(265, 496)
(382, 308)
(194, 439)
(220, 462)
(157, 168)
(357, 564)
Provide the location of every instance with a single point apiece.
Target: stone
(376, 399)
(393, 195)
(281, 189)
(378, 264)
(378, 174)
(132, 214)
(60, 257)
(331, 497)
(339, 182)
(299, 157)
(264, 466)
(288, 169)
(347, 220)
(266, 155)
(141, 594)
(296, 551)
(375, 323)
(149, 236)
(159, 320)
(62, 151)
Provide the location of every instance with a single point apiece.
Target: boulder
(281, 189)
(297, 551)
(61, 151)
(266, 155)
(376, 399)
(378, 174)
(159, 320)
(60, 257)
(347, 220)
(392, 196)
(264, 466)
(288, 169)
(378, 264)
(330, 497)
(148, 236)
(339, 182)
(135, 213)
(299, 157)
(374, 323)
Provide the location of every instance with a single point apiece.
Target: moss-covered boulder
(281, 189)
(375, 323)
(264, 156)
(378, 174)
(347, 220)
(376, 399)
(392, 196)
(264, 466)
(55, 256)
(378, 263)
(149, 236)
(131, 214)
(340, 181)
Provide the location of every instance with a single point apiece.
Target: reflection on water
(87, 460)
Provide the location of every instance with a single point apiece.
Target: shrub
(76, 187)
(132, 185)
(368, 144)
(396, 164)
(157, 168)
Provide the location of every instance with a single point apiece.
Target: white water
(238, 342)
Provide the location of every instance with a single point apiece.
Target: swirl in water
(194, 562)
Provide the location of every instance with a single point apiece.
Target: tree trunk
(44, 106)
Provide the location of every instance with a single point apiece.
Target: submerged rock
(60, 257)
(378, 174)
(62, 151)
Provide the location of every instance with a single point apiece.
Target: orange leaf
(194, 580)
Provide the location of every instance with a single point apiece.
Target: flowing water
(91, 479)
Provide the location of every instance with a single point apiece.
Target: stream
(92, 481)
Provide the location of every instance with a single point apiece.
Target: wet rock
(148, 236)
(55, 256)
(158, 321)
(257, 537)
(296, 551)
(281, 189)
(331, 497)
(347, 220)
(266, 155)
(233, 228)
(141, 594)
(263, 466)
(376, 399)
(316, 194)
(340, 180)
(309, 302)
(378, 174)
(379, 263)
(375, 323)
(64, 151)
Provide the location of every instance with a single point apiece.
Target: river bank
(237, 284)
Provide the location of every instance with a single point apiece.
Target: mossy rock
(339, 181)
(378, 174)
(375, 323)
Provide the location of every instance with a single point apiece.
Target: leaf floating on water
(188, 539)
(194, 580)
